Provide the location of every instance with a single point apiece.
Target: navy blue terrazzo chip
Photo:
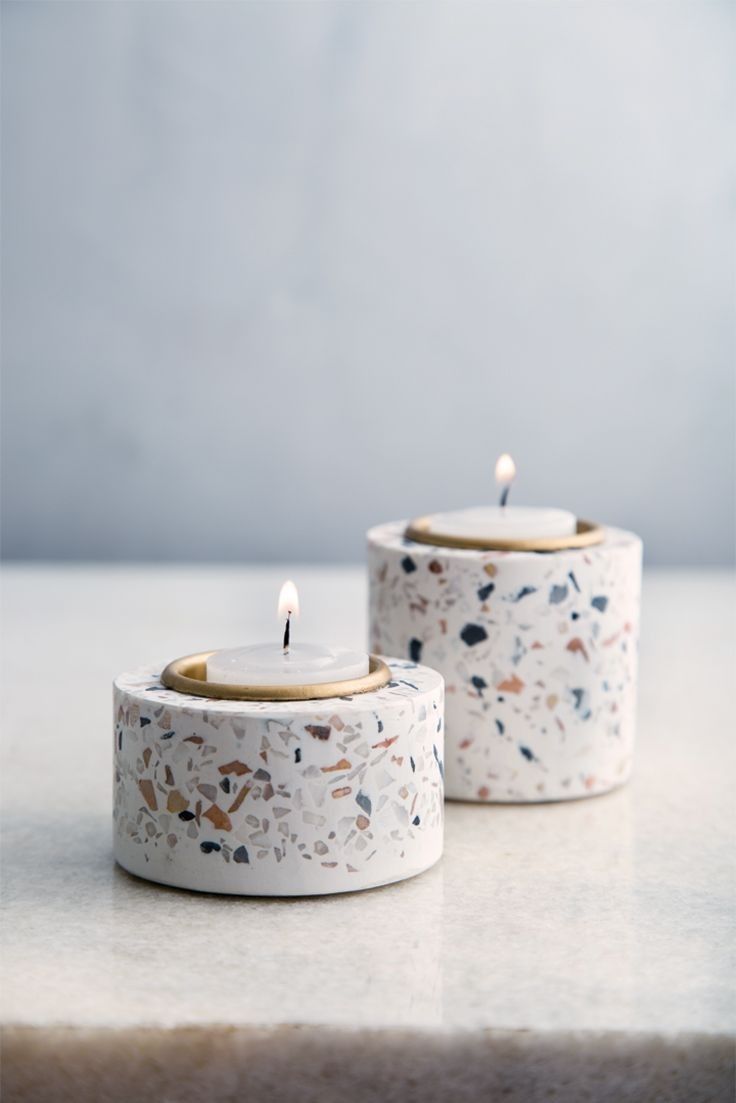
(416, 821)
(574, 580)
(241, 855)
(364, 801)
(415, 650)
(501, 728)
(168, 735)
(485, 591)
(473, 634)
(413, 764)
(440, 767)
(408, 564)
(225, 785)
(208, 848)
(525, 591)
(298, 754)
(528, 755)
(557, 594)
(479, 683)
(600, 603)
(144, 721)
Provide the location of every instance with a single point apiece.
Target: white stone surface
(609, 920)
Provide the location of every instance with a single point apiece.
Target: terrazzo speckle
(326, 796)
(539, 655)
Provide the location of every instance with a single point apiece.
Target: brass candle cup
(586, 535)
(188, 675)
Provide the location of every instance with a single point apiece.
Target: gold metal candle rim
(188, 675)
(587, 534)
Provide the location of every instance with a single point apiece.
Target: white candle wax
(504, 523)
(267, 664)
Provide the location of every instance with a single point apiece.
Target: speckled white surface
(612, 917)
(258, 798)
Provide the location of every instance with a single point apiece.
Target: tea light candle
(268, 664)
(504, 522)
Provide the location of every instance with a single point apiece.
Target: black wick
(505, 494)
(287, 631)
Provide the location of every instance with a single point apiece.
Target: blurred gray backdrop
(273, 272)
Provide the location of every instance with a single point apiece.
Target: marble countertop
(590, 939)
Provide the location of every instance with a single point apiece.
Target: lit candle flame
(505, 469)
(288, 600)
(505, 475)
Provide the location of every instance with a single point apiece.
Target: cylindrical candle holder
(279, 797)
(538, 650)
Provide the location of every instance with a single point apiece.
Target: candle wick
(505, 495)
(287, 632)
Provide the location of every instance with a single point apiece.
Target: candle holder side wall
(538, 652)
(283, 798)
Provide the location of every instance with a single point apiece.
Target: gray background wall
(276, 271)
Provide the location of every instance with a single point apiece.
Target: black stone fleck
(408, 564)
(472, 634)
(416, 821)
(479, 683)
(241, 855)
(225, 785)
(298, 754)
(186, 816)
(207, 848)
(437, 760)
(500, 727)
(413, 764)
(145, 720)
(574, 580)
(415, 650)
(485, 591)
(168, 735)
(528, 755)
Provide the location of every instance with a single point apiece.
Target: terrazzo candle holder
(538, 650)
(278, 797)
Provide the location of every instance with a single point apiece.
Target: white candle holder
(290, 796)
(538, 649)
